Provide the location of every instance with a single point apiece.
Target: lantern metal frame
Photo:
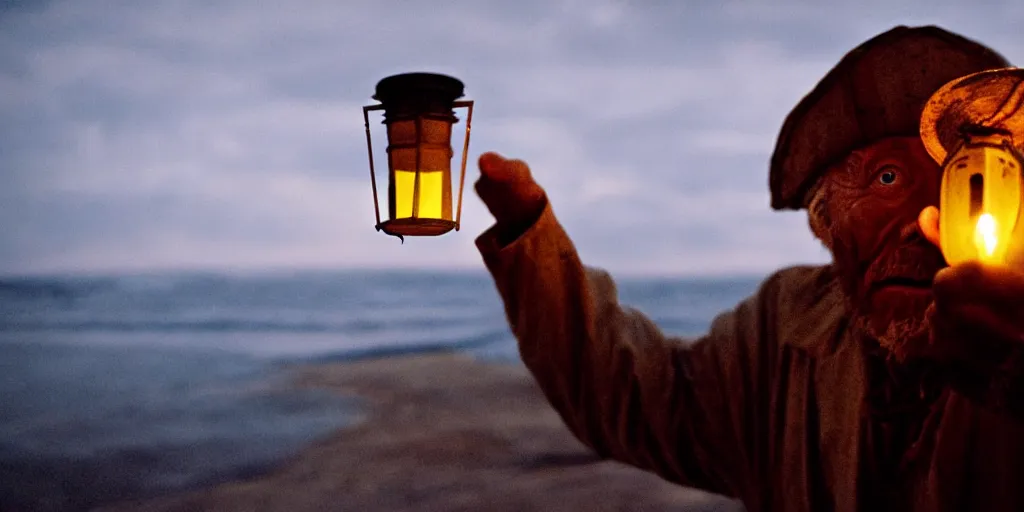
(974, 138)
(445, 225)
(979, 116)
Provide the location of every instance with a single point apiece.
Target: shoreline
(441, 431)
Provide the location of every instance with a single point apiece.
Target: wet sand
(442, 433)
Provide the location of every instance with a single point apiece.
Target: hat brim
(989, 99)
(877, 90)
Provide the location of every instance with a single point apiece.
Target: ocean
(137, 385)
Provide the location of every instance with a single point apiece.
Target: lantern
(974, 126)
(419, 115)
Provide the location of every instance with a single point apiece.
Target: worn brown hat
(877, 90)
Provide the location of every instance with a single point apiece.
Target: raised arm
(693, 412)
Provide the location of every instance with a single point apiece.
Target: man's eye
(887, 177)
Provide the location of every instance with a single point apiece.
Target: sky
(228, 135)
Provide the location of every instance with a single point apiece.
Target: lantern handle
(369, 150)
(468, 104)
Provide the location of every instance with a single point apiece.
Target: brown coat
(769, 407)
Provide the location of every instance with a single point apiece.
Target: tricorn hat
(877, 90)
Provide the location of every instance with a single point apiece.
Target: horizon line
(271, 270)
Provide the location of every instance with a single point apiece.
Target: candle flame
(985, 233)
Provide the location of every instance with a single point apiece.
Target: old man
(884, 380)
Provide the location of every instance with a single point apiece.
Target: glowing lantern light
(986, 238)
(971, 126)
(419, 114)
(980, 201)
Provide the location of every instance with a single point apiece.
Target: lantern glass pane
(1002, 189)
(434, 183)
(981, 198)
(429, 194)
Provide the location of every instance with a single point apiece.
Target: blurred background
(186, 206)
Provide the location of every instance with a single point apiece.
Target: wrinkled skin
(876, 212)
(866, 212)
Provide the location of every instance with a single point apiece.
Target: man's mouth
(904, 283)
(908, 269)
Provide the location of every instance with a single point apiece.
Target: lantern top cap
(406, 85)
(991, 99)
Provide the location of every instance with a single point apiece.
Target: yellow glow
(430, 194)
(985, 234)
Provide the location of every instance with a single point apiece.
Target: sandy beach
(441, 433)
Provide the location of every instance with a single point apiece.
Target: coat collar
(813, 313)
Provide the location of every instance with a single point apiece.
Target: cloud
(191, 134)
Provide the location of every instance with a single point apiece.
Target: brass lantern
(974, 127)
(419, 114)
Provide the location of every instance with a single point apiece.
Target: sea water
(135, 385)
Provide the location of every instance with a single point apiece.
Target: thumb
(928, 221)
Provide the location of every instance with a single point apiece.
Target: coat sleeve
(694, 412)
(998, 386)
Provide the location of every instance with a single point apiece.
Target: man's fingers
(928, 221)
(491, 164)
(508, 190)
(978, 283)
(497, 168)
(984, 298)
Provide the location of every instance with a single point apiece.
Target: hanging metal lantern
(419, 115)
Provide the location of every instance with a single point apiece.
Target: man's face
(873, 201)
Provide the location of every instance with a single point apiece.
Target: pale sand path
(443, 433)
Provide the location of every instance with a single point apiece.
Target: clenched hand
(979, 309)
(509, 191)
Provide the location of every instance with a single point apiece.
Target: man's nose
(911, 233)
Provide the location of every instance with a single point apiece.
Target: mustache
(912, 261)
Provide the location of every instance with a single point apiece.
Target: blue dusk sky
(227, 135)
